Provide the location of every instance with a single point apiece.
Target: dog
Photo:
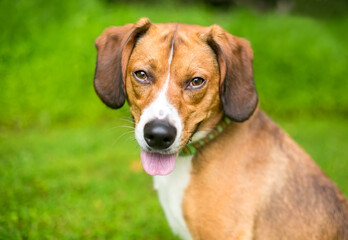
(222, 168)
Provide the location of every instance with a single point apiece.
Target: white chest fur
(171, 190)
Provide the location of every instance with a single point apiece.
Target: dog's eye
(141, 76)
(195, 83)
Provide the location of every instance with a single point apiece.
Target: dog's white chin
(157, 164)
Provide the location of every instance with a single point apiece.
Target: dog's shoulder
(307, 198)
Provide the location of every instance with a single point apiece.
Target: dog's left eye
(141, 76)
(195, 83)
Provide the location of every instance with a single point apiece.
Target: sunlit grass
(86, 183)
(76, 183)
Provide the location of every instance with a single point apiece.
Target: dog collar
(191, 148)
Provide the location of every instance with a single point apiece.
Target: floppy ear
(237, 89)
(114, 48)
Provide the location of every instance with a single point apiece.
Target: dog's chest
(171, 190)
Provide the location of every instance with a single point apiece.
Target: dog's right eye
(141, 76)
(195, 83)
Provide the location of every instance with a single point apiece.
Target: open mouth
(159, 158)
(157, 163)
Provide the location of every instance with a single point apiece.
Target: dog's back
(262, 185)
(307, 206)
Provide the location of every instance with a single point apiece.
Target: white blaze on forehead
(162, 109)
(171, 187)
(161, 101)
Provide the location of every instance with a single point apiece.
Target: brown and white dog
(251, 181)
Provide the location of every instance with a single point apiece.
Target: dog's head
(178, 79)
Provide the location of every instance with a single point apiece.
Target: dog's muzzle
(159, 134)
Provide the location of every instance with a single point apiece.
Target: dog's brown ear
(114, 48)
(237, 88)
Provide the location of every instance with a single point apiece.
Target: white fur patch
(171, 189)
(160, 108)
(199, 135)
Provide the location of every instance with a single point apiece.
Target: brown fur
(253, 181)
(202, 106)
(265, 187)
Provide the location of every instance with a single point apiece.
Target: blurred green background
(69, 166)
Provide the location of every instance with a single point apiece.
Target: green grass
(68, 170)
(87, 182)
(76, 183)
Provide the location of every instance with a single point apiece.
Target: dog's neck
(202, 137)
(192, 147)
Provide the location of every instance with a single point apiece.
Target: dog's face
(178, 79)
(172, 77)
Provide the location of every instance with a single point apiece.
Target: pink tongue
(157, 164)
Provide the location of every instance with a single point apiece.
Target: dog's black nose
(159, 134)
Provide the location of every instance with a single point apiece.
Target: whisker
(131, 139)
(125, 126)
(120, 136)
(127, 120)
(122, 126)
